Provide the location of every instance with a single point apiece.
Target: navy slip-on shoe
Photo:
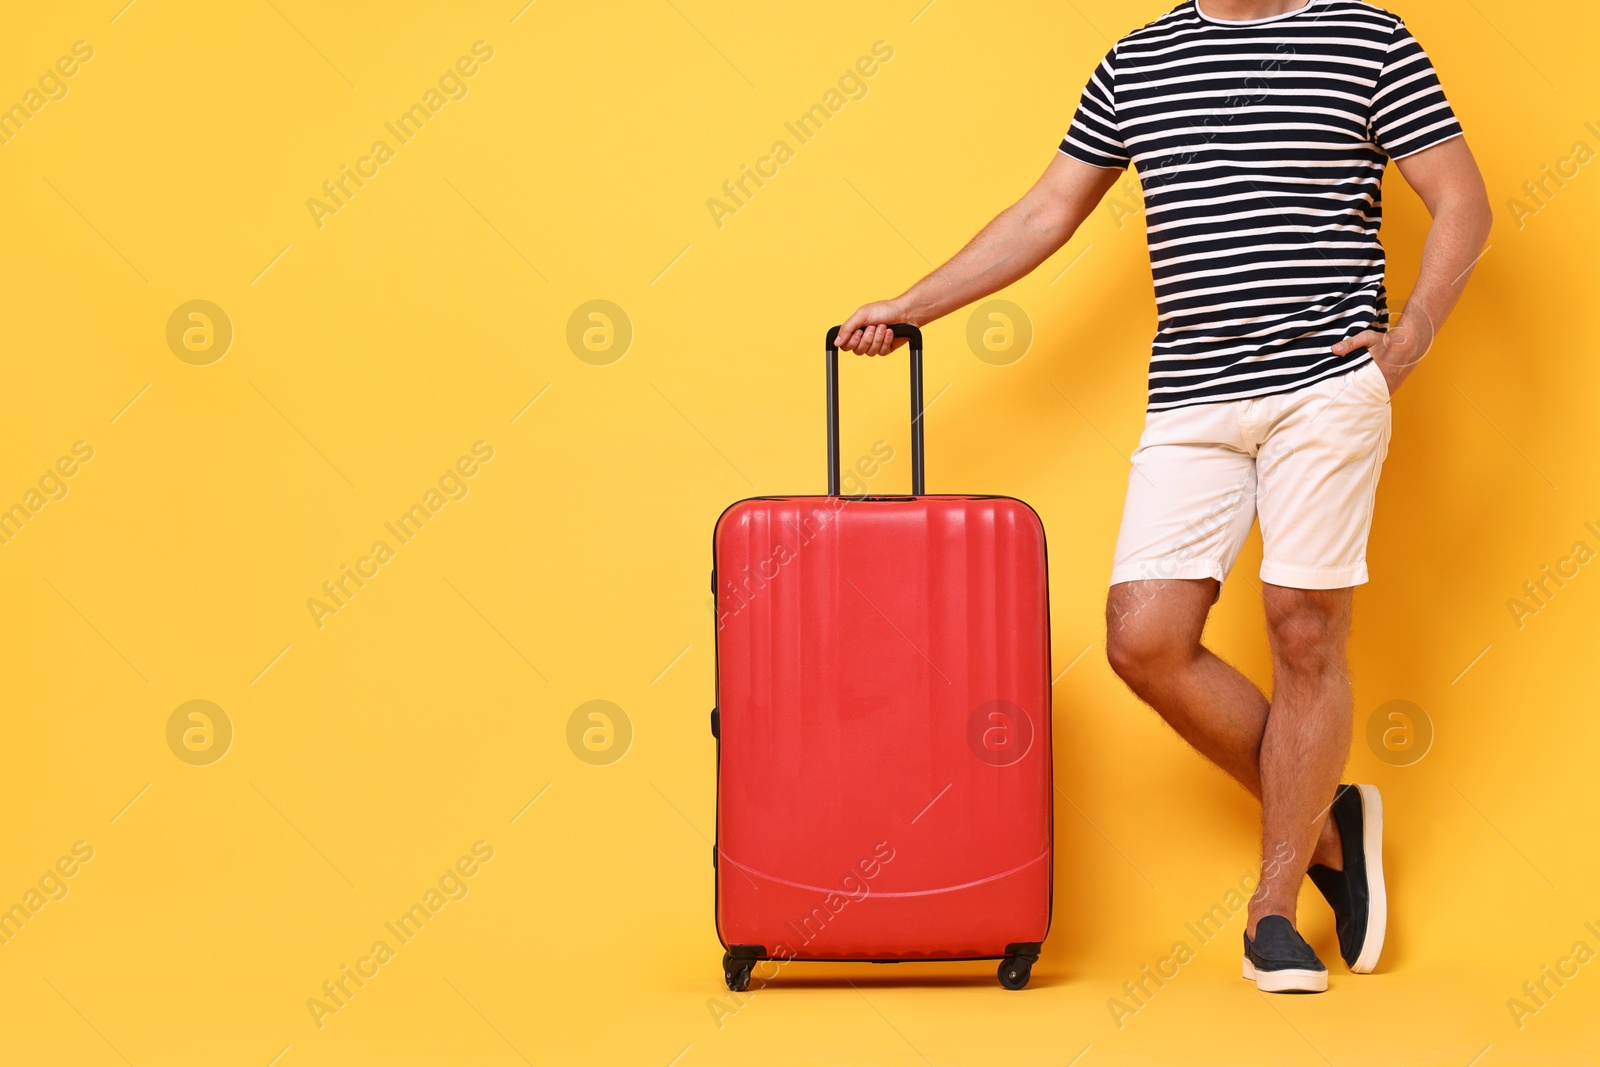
(1360, 903)
(1280, 961)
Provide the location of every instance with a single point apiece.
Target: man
(1260, 130)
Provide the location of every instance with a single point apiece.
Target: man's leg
(1153, 641)
(1306, 739)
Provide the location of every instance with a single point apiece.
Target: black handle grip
(901, 329)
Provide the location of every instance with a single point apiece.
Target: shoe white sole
(1294, 980)
(1377, 897)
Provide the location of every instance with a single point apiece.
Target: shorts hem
(1159, 571)
(1313, 577)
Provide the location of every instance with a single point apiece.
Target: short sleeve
(1094, 137)
(1409, 109)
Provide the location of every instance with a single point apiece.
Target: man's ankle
(1330, 847)
(1267, 909)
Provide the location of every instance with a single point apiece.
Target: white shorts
(1307, 462)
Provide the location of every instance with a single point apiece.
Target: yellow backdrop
(310, 416)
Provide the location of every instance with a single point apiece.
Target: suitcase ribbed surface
(883, 676)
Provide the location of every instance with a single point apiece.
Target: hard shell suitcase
(883, 724)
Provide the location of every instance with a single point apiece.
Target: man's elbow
(1477, 218)
(1046, 221)
(1469, 210)
(1483, 213)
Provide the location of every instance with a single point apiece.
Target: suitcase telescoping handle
(901, 329)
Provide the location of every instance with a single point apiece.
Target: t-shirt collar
(1307, 6)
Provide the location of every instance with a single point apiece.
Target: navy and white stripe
(1261, 148)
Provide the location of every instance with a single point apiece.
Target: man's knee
(1137, 658)
(1309, 628)
(1146, 638)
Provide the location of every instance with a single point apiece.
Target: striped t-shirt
(1261, 147)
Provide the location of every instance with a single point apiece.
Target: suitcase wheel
(1015, 971)
(737, 972)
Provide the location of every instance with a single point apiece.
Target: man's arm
(1020, 238)
(1447, 178)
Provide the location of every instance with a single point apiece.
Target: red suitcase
(883, 724)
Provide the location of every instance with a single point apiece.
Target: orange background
(430, 312)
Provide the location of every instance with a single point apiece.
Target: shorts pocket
(1379, 383)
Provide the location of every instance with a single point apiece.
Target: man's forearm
(1454, 244)
(1019, 239)
(1446, 177)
